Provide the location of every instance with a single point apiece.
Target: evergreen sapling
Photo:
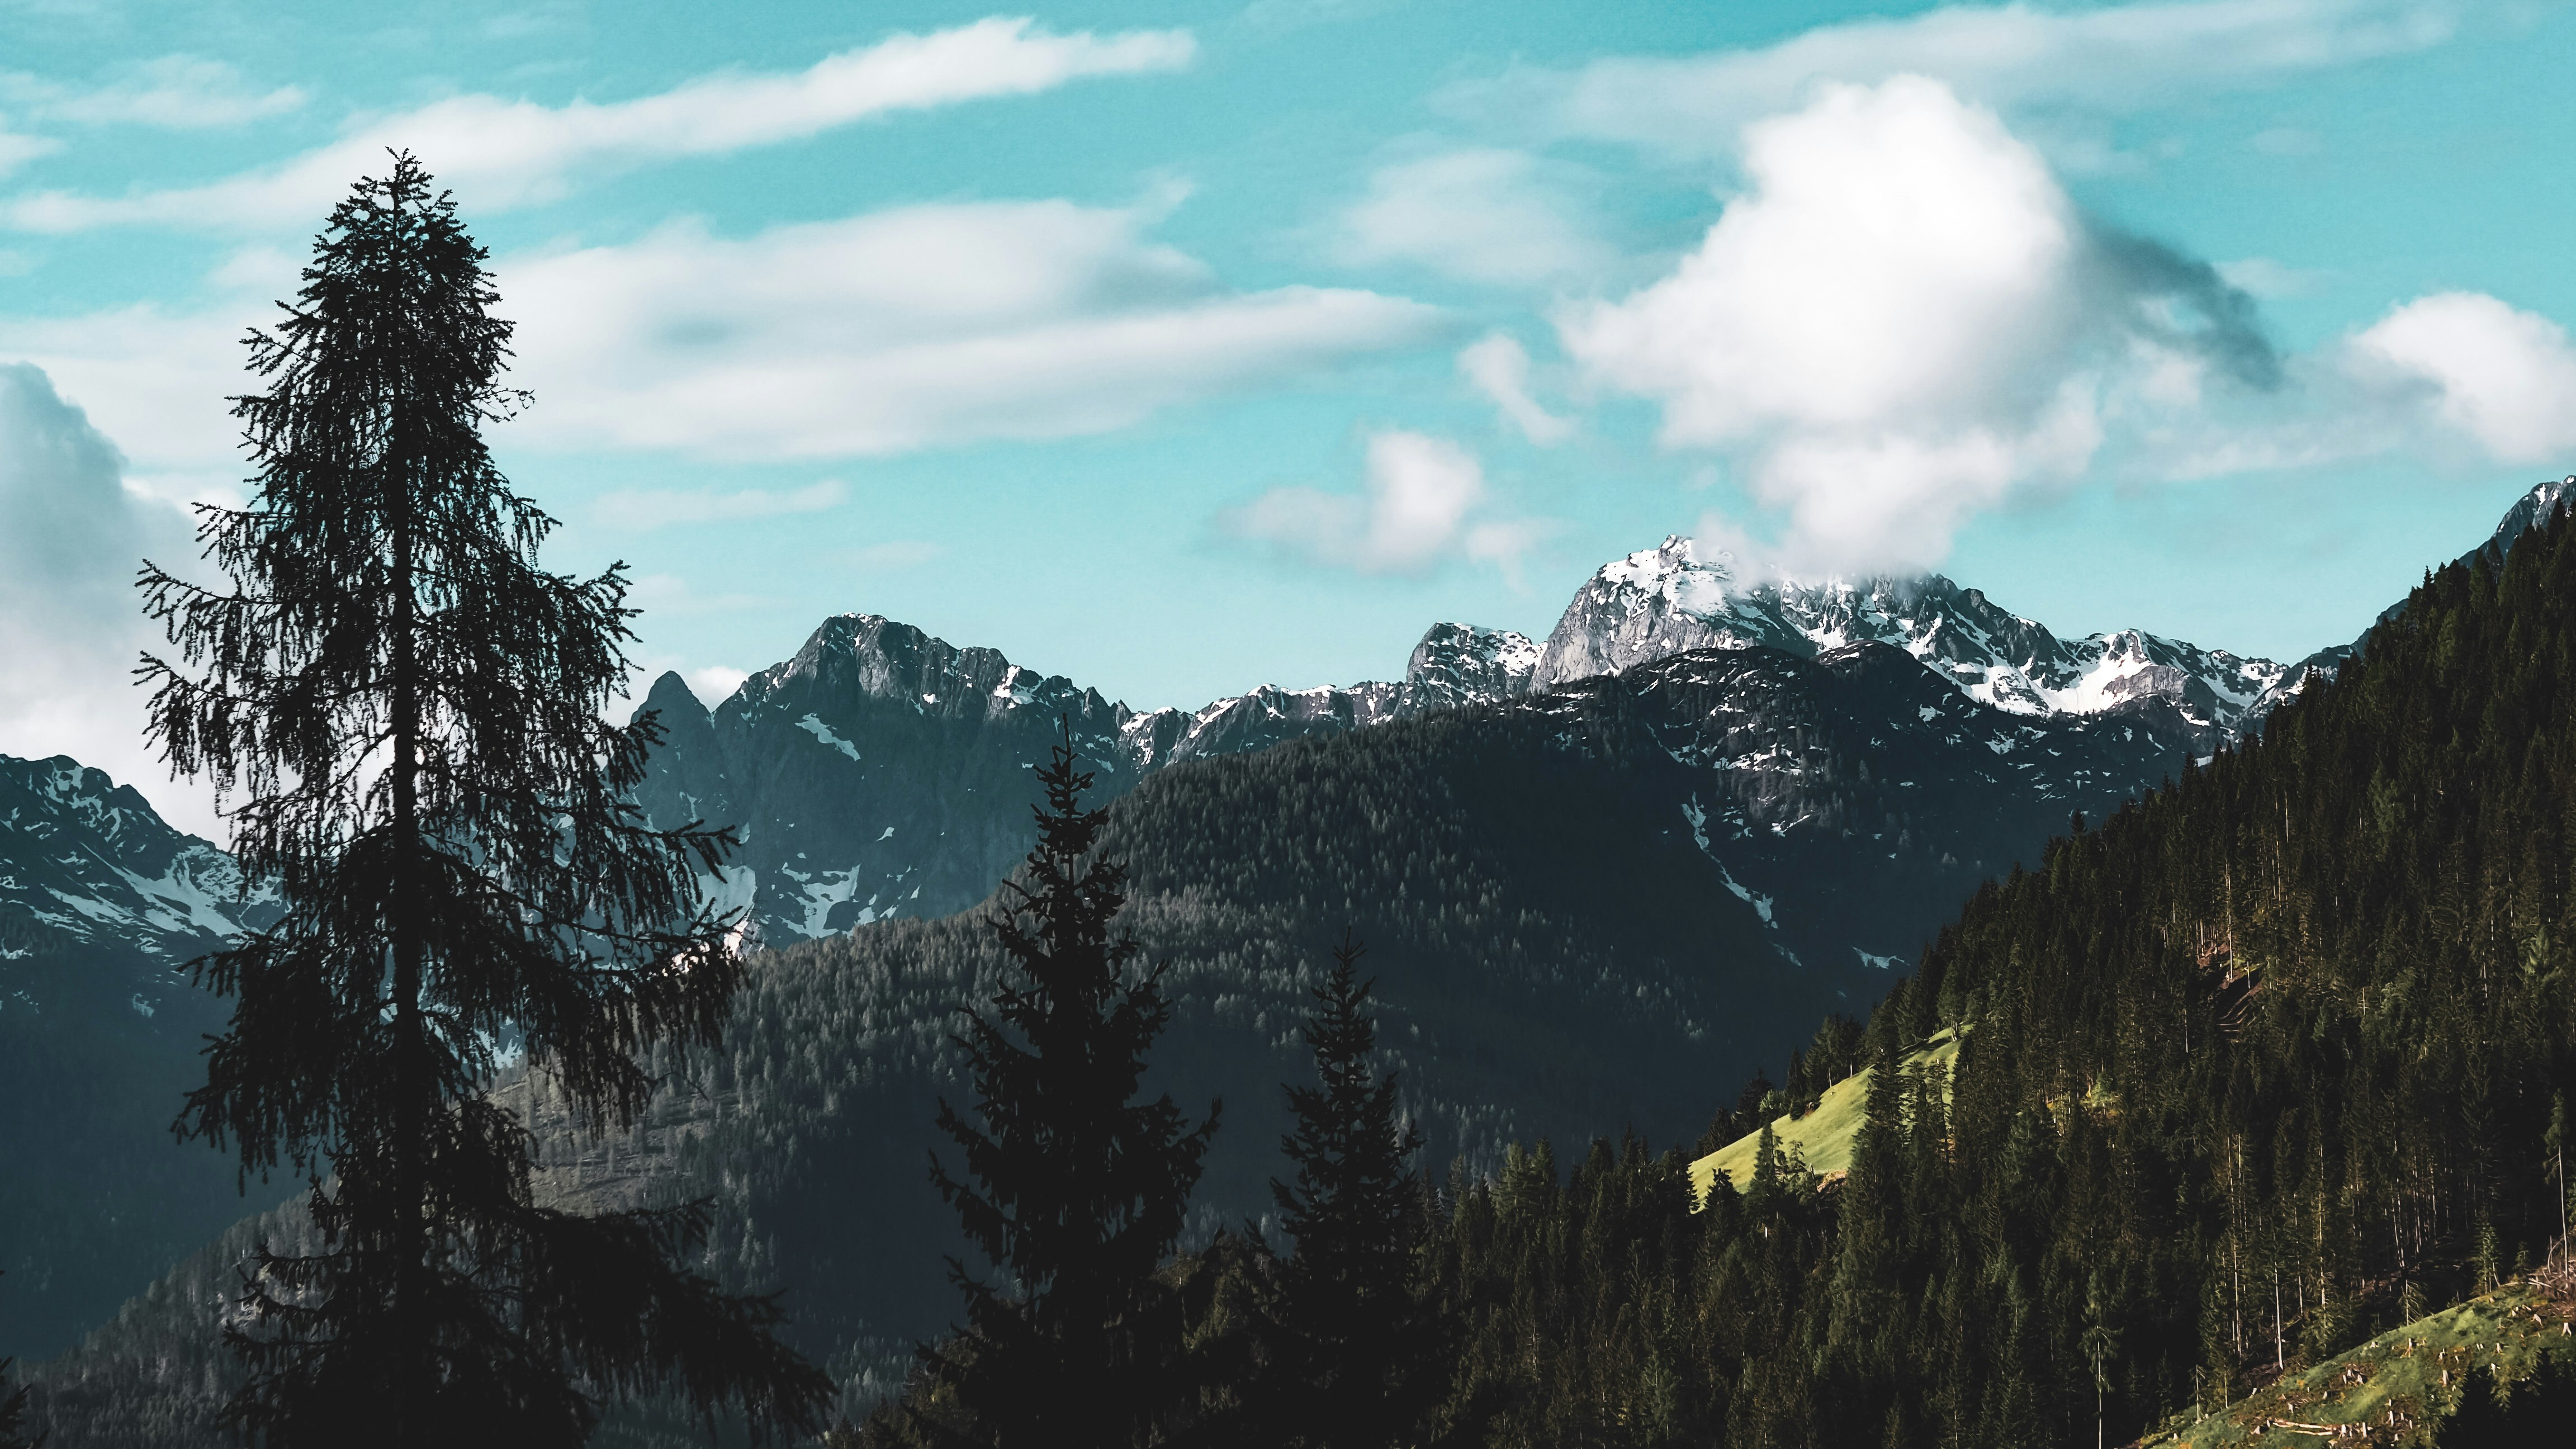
(1073, 1189)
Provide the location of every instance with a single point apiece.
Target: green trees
(1073, 1190)
(1360, 1358)
(404, 714)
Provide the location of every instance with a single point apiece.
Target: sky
(1185, 348)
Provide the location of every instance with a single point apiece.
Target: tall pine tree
(1074, 1190)
(1359, 1350)
(404, 715)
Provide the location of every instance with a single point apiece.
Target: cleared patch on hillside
(1823, 1138)
(2403, 1386)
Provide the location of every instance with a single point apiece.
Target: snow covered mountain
(85, 862)
(1672, 599)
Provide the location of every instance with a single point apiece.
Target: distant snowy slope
(1670, 599)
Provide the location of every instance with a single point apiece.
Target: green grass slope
(1823, 1138)
(2497, 1369)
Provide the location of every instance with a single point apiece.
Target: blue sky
(1185, 348)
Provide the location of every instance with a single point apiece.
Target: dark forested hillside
(2269, 1063)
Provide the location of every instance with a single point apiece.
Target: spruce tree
(1357, 1346)
(402, 715)
(1074, 1190)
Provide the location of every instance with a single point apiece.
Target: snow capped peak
(1671, 599)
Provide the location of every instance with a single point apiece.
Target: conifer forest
(1763, 1014)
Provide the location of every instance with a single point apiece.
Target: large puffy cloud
(2016, 56)
(497, 153)
(71, 538)
(1423, 504)
(1902, 319)
(2504, 377)
(907, 329)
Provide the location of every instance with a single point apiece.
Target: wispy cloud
(1499, 217)
(889, 332)
(1422, 504)
(1499, 367)
(17, 148)
(172, 92)
(906, 329)
(2113, 59)
(895, 555)
(650, 508)
(497, 153)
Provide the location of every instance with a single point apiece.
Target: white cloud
(906, 329)
(18, 148)
(155, 381)
(1414, 514)
(2505, 378)
(1497, 217)
(496, 153)
(883, 333)
(1499, 367)
(173, 92)
(1902, 319)
(640, 509)
(71, 623)
(713, 684)
(2111, 59)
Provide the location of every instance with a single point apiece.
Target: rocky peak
(1462, 664)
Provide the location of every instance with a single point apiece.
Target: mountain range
(1699, 815)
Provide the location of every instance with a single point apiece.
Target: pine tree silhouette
(404, 713)
(1073, 1190)
(1359, 1349)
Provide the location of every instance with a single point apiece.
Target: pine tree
(1360, 1351)
(404, 713)
(1074, 1190)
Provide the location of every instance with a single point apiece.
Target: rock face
(1460, 665)
(1669, 600)
(882, 772)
